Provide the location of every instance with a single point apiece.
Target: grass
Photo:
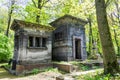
(84, 67)
(2, 64)
(5, 74)
(49, 69)
(98, 75)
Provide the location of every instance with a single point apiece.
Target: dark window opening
(30, 41)
(37, 42)
(59, 36)
(43, 42)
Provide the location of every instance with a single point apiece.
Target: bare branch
(107, 3)
(34, 3)
(44, 2)
(114, 22)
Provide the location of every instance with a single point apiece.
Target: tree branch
(34, 3)
(107, 3)
(44, 3)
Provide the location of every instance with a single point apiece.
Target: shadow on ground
(5, 74)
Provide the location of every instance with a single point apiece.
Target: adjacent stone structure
(32, 45)
(69, 41)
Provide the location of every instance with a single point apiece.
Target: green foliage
(3, 64)
(6, 65)
(49, 69)
(98, 75)
(35, 71)
(84, 67)
(57, 8)
(5, 48)
(81, 67)
(3, 19)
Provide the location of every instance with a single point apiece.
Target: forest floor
(49, 75)
(83, 73)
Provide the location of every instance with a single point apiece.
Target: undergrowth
(97, 76)
(49, 69)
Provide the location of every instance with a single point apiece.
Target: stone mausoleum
(68, 39)
(32, 45)
(36, 45)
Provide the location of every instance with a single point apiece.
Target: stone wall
(25, 69)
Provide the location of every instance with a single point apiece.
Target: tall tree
(90, 36)
(109, 57)
(12, 2)
(92, 43)
(39, 5)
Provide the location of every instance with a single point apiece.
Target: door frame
(74, 50)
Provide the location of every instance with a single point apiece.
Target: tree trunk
(9, 17)
(109, 57)
(98, 44)
(92, 46)
(90, 37)
(38, 15)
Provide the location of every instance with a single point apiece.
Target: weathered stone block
(64, 67)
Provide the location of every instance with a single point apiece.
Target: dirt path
(70, 76)
(85, 72)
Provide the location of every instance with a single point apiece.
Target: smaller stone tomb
(32, 45)
(69, 41)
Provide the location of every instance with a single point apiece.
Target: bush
(5, 48)
(35, 71)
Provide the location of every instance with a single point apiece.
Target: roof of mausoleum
(69, 17)
(24, 24)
